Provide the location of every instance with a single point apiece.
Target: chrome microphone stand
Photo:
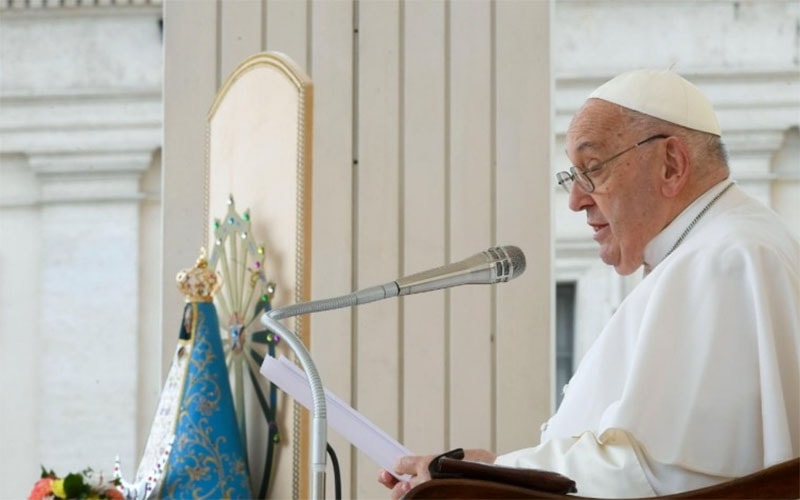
(319, 429)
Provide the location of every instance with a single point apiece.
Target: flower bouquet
(75, 486)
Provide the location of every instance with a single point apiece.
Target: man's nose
(579, 199)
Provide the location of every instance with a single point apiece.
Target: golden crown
(198, 283)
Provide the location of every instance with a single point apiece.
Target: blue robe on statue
(207, 458)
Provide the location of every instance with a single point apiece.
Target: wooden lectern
(779, 481)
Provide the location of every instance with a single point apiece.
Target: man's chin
(620, 265)
(625, 270)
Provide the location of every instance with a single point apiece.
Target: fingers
(386, 479)
(400, 489)
(413, 465)
(477, 455)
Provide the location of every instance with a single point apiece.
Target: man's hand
(417, 468)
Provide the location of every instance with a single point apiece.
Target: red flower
(114, 494)
(42, 489)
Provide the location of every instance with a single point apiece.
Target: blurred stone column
(80, 136)
(89, 225)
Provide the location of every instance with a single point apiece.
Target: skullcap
(661, 94)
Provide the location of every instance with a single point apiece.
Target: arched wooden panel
(259, 152)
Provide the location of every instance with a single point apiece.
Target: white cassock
(696, 378)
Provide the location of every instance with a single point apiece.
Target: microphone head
(509, 262)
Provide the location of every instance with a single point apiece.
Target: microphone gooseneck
(495, 265)
(498, 264)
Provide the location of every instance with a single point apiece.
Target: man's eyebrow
(586, 145)
(582, 146)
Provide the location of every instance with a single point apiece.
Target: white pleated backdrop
(432, 141)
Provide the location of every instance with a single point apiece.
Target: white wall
(80, 122)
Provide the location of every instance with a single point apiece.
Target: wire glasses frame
(581, 177)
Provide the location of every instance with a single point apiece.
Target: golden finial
(198, 283)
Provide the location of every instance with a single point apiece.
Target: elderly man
(695, 380)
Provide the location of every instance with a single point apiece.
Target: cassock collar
(659, 247)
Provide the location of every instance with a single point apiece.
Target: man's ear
(676, 167)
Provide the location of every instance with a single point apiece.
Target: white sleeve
(605, 467)
(611, 466)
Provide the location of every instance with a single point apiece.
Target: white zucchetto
(661, 94)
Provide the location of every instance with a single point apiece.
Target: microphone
(495, 265)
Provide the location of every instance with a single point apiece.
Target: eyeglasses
(575, 174)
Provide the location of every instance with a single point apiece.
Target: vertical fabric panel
(240, 33)
(287, 29)
(445, 107)
(331, 70)
(524, 185)
(424, 242)
(471, 224)
(378, 223)
(190, 83)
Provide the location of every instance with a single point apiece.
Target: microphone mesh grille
(517, 260)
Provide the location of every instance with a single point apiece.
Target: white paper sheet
(352, 425)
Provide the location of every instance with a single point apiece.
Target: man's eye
(590, 166)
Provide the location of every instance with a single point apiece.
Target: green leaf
(74, 486)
